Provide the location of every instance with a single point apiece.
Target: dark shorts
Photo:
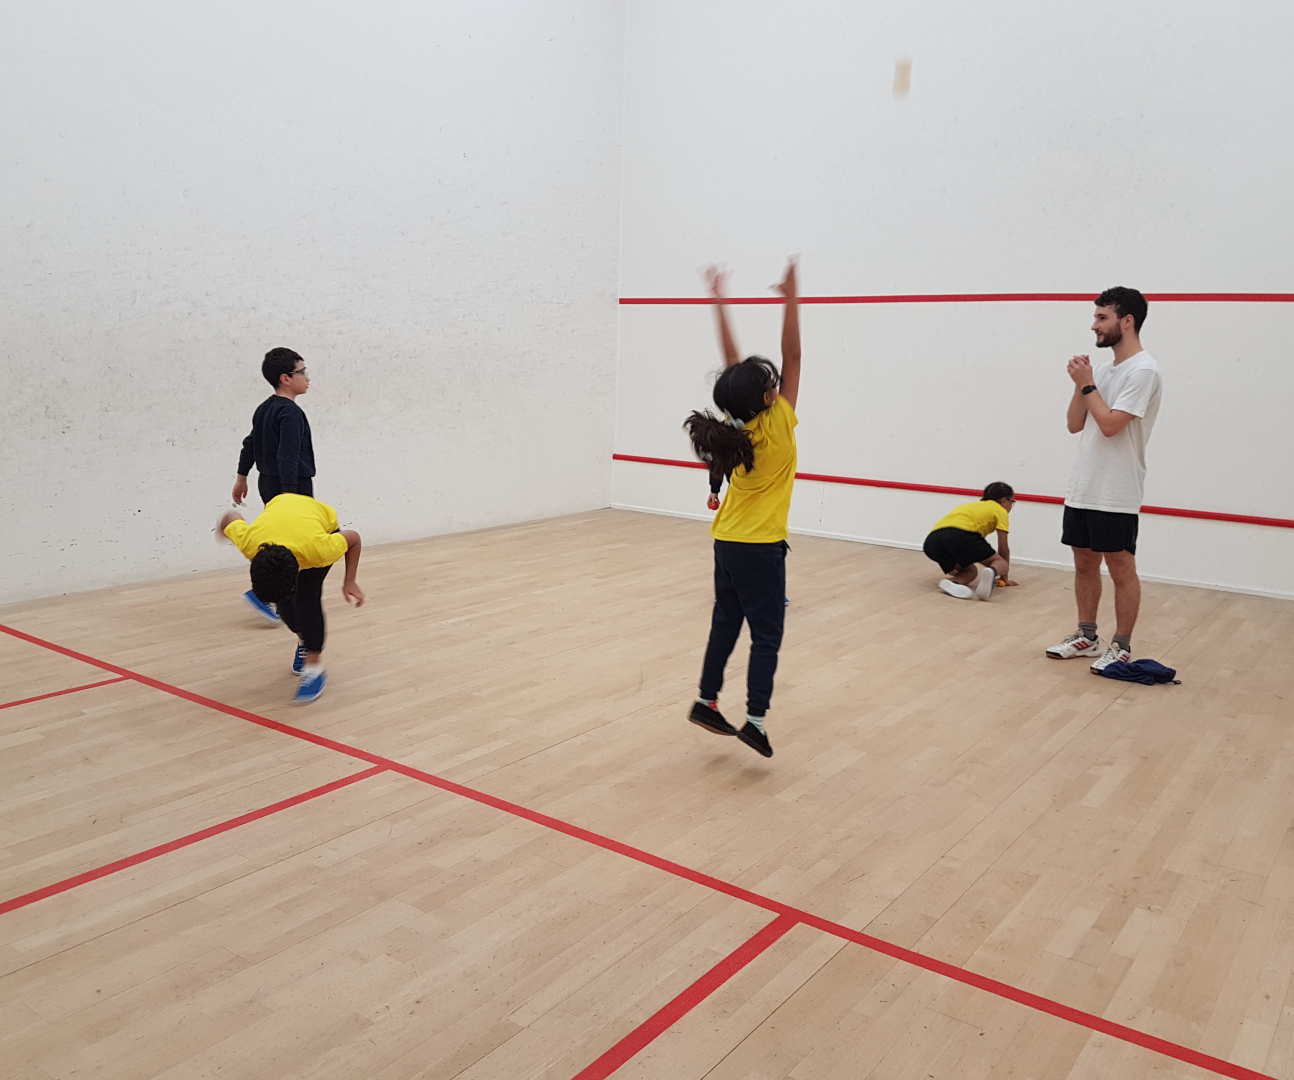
(954, 548)
(1099, 530)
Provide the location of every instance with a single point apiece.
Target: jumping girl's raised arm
(714, 280)
(789, 287)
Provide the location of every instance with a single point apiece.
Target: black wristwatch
(1089, 388)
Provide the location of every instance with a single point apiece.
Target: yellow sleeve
(791, 419)
(335, 545)
(1003, 521)
(236, 531)
(329, 518)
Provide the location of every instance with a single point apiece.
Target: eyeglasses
(297, 371)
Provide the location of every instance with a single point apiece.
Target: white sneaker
(984, 587)
(1075, 645)
(1115, 654)
(962, 592)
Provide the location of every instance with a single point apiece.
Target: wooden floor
(507, 856)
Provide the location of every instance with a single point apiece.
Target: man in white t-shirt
(1112, 411)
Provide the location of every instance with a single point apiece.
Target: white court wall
(1042, 148)
(420, 198)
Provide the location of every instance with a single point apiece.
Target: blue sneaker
(261, 608)
(298, 659)
(310, 687)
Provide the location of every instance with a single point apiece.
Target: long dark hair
(740, 393)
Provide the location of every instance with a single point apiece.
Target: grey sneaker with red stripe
(1115, 654)
(1077, 644)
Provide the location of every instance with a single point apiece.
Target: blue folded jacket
(1147, 672)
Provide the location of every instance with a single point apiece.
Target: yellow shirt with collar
(981, 517)
(305, 526)
(758, 503)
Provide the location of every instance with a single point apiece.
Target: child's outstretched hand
(353, 593)
(789, 286)
(224, 520)
(712, 502)
(715, 281)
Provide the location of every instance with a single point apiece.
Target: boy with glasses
(279, 444)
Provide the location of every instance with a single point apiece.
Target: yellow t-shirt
(305, 526)
(978, 517)
(758, 502)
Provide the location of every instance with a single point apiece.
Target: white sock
(311, 670)
(757, 722)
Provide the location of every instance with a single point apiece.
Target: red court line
(685, 1002)
(974, 298)
(898, 952)
(210, 703)
(184, 841)
(939, 489)
(69, 690)
(1037, 1001)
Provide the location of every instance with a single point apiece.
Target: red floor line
(939, 489)
(69, 690)
(972, 298)
(184, 841)
(898, 952)
(210, 703)
(1037, 1001)
(665, 1018)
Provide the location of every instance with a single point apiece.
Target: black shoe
(755, 739)
(711, 719)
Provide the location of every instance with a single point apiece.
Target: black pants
(269, 486)
(749, 585)
(303, 611)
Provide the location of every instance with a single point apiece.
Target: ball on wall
(902, 77)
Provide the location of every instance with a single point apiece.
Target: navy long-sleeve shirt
(279, 443)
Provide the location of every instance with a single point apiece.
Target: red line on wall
(666, 1017)
(939, 489)
(898, 952)
(975, 298)
(60, 693)
(184, 841)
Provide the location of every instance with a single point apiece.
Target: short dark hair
(997, 491)
(1125, 301)
(274, 573)
(279, 362)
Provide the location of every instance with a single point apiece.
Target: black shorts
(1099, 530)
(957, 548)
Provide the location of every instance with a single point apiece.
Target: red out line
(939, 489)
(184, 841)
(974, 298)
(210, 703)
(69, 690)
(665, 1018)
(1037, 1001)
(898, 952)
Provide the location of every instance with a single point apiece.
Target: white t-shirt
(1110, 471)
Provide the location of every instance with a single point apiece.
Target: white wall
(1042, 148)
(421, 198)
